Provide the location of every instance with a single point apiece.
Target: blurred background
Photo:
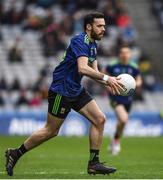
(33, 37)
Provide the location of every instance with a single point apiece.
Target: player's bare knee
(51, 132)
(101, 120)
(124, 120)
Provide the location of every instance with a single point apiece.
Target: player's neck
(89, 35)
(123, 62)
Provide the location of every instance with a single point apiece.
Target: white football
(129, 84)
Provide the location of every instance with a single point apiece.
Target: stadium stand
(34, 34)
(149, 33)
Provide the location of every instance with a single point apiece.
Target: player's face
(98, 29)
(125, 55)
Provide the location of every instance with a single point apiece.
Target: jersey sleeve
(136, 69)
(79, 48)
(108, 69)
(136, 72)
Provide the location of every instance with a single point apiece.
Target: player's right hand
(114, 86)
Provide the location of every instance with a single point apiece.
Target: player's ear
(89, 27)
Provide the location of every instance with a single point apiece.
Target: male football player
(122, 104)
(66, 93)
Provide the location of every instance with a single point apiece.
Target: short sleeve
(79, 48)
(108, 69)
(135, 68)
(136, 72)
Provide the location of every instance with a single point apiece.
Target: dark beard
(95, 36)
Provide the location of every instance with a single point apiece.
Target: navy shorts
(126, 106)
(60, 106)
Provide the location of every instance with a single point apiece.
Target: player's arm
(84, 69)
(95, 67)
(139, 81)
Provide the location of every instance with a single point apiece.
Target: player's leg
(48, 131)
(55, 118)
(93, 113)
(86, 106)
(122, 117)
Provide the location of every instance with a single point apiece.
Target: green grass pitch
(63, 157)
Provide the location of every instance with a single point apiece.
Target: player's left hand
(114, 86)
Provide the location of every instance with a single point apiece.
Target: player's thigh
(121, 113)
(53, 123)
(93, 113)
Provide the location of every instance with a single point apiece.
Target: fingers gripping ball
(129, 84)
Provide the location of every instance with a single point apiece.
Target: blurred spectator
(13, 15)
(15, 86)
(15, 54)
(38, 19)
(42, 80)
(22, 99)
(146, 70)
(3, 84)
(52, 41)
(123, 20)
(36, 99)
(144, 64)
(38, 84)
(33, 22)
(45, 70)
(128, 35)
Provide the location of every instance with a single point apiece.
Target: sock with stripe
(21, 150)
(94, 155)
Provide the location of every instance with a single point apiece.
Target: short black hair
(89, 18)
(124, 46)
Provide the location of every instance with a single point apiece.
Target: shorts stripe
(59, 101)
(56, 104)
